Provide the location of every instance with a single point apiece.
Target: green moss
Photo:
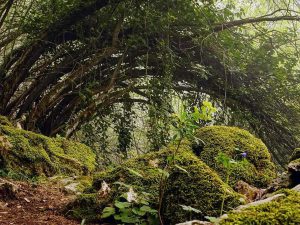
(282, 211)
(201, 188)
(259, 171)
(86, 206)
(5, 121)
(296, 154)
(34, 154)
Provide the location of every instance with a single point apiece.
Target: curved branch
(237, 23)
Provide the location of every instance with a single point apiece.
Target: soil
(35, 204)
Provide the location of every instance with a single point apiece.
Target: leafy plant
(185, 124)
(132, 208)
(229, 164)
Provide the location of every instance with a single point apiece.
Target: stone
(272, 198)
(296, 188)
(72, 188)
(251, 193)
(294, 172)
(7, 191)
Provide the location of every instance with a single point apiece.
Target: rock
(251, 193)
(294, 172)
(72, 188)
(8, 191)
(282, 181)
(272, 198)
(195, 222)
(66, 181)
(104, 190)
(296, 188)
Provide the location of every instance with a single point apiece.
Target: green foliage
(185, 123)
(124, 127)
(159, 111)
(135, 209)
(257, 170)
(95, 135)
(229, 164)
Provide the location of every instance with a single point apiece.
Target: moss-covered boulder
(258, 170)
(191, 183)
(282, 211)
(30, 154)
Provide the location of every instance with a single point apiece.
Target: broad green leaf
(122, 205)
(212, 219)
(148, 209)
(107, 212)
(138, 212)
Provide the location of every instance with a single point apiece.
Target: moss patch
(5, 121)
(86, 206)
(200, 188)
(282, 211)
(259, 172)
(33, 154)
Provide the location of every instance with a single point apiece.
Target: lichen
(34, 155)
(200, 187)
(282, 211)
(259, 169)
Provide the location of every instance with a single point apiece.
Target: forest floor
(35, 204)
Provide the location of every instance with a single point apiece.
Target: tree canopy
(65, 62)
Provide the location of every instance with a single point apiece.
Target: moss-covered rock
(85, 206)
(201, 189)
(282, 211)
(191, 183)
(259, 170)
(295, 155)
(33, 154)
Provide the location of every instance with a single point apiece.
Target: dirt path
(35, 204)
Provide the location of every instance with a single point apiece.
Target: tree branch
(237, 23)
